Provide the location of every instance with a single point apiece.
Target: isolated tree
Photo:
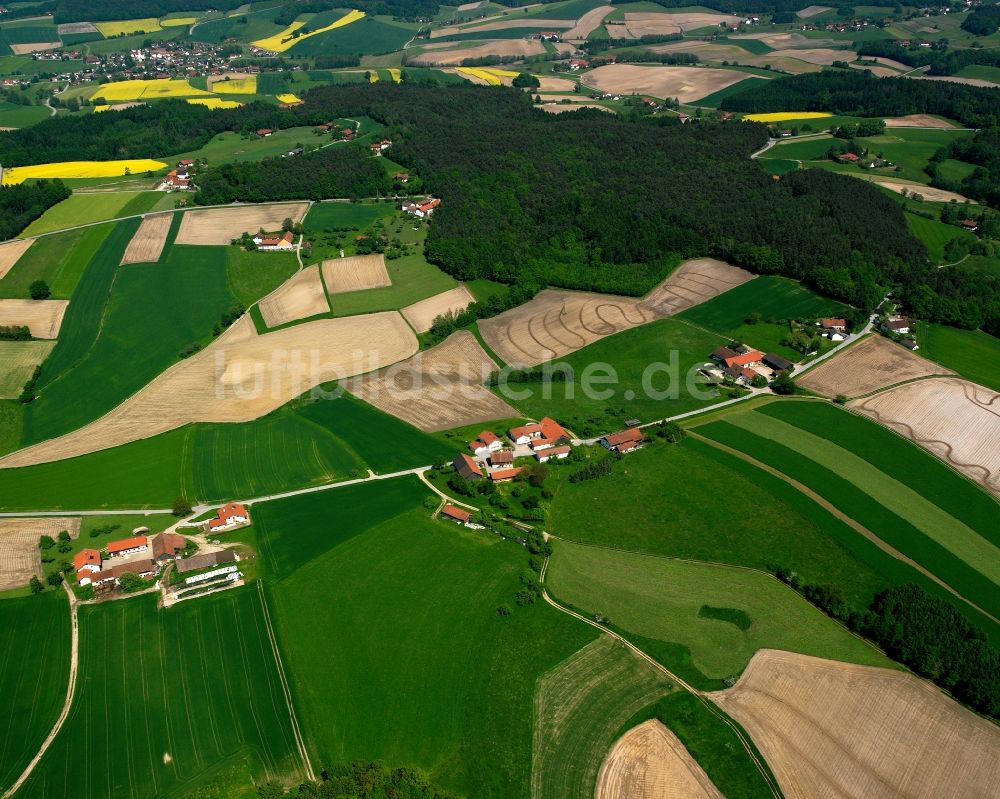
(287, 224)
(526, 81)
(54, 578)
(671, 432)
(181, 507)
(35, 585)
(39, 290)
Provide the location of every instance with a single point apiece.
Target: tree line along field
(34, 669)
(168, 699)
(301, 444)
(911, 501)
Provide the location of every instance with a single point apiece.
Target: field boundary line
(299, 742)
(742, 736)
(832, 509)
(70, 692)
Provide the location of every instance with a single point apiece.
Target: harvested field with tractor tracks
(956, 420)
(148, 241)
(42, 317)
(687, 84)
(19, 554)
(437, 389)
(421, 315)
(650, 761)
(241, 376)
(829, 730)
(873, 363)
(355, 273)
(219, 226)
(299, 297)
(456, 55)
(589, 22)
(18, 360)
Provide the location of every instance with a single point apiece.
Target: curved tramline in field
(240, 377)
(650, 761)
(956, 420)
(831, 729)
(556, 323)
(299, 297)
(219, 226)
(437, 389)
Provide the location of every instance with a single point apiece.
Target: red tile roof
(167, 544)
(86, 557)
(464, 463)
(505, 474)
(457, 514)
(624, 437)
(834, 322)
(127, 543)
(553, 452)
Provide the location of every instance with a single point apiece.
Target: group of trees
(941, 60)
(359, 780)
(984, 20)
(983, 150)
(22, 204)
(859, 93)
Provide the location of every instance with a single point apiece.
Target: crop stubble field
(355, 273)
(11, 252)
(257, 374)
(437, 389)
(20, 556)
(832, 729)
(872, 364)
(18, 360)
(650, 761)
(956, 420)
(299, 297)
(556, 323)
(42, 317)
(687, 84)
(421, 315)
(219, 226)
(148, 241)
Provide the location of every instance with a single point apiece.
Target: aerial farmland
(493, 401)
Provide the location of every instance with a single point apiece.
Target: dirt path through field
(835, 511)
(74, 660)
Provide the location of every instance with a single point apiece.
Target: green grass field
(910, 149)
(58, 259)
(630, 354)
(168, 699)
(232, 147)
(14, 115)
(329, 216)
(661, 601)
(371, 35)
(34, 669)
(935, 235)
(10, 425)
(981, 73)
(84, 209)
(951, 169)
(902, 495)
(972, 353)
(413, 279)
(408, 609)
(776, 299)
(190, 292)
(254, 275)
(18, 360)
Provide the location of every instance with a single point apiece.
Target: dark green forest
(858, 92)
(983, 21)
(22, 204)
(983, 150)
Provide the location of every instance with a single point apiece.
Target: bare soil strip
(954, 419)
(929, 193)
(421, 315)
(873, 363)
(11, 252)
(556, 323)
(241, 376)
(916, 120)
(219, 226)
(650, 761)
(147, 243)
(43, 317)
(684, 83)
(19, 554)
(830, 729)
(437, 389)
(562, 109)
(586, 24)
(355, 273)
(299, 297)
(36, 47)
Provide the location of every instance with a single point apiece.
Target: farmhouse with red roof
(546, 430)
(230, 515)
(487, 443)
(456, 514)
(625, 441)
(744, 356)
(128, 546)
(467, 467)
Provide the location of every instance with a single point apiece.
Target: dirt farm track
(957, 420)
(556, 323)
(833, 730)
(650, 761)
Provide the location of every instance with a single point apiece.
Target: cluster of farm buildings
(179, 178)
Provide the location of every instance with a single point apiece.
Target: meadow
(333, 215)
(15, 115)
(167, 662)
(18, 360)
(629, 353)
(776, 299)
(34, 669)
(234, 147)
(659, 601)
(370, 35)
(189, 289)
(85, 209)
(936, 518)
(715, 99)
(254, 275)
(972, 353)
(936, 234)
(385, 580)
(413, 279)
(10, 425)
(58, 259)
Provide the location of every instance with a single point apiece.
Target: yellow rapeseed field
(786, 116)
(128, 26)
(236, 86)
(282, 41)
(288, 98)
(479, 74)
(501, 73)
(373, 76)
(148, 90)
(214, 102)
(178, 21)
(80, 169)
(396, 74)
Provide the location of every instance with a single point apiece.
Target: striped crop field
(285, 40)
(167, 700)
(479, 75)
(81, 169)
